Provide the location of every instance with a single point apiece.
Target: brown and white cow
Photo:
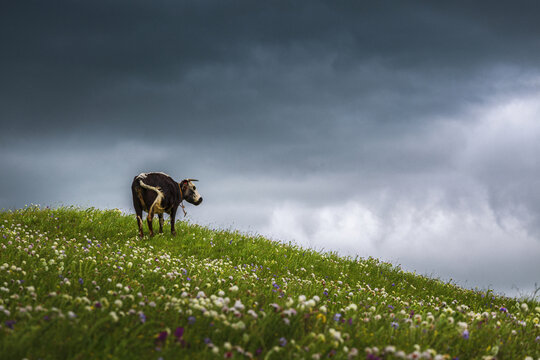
(158, 193)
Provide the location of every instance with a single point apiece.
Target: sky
(406, 131)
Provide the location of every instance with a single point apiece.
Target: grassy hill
(79, 284)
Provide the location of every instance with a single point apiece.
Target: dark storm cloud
(245, 67)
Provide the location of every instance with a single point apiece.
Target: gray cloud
(406, 132)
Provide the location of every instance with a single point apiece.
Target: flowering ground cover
(79, 284)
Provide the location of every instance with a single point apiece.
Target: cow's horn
(192, 180)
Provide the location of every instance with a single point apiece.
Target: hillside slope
(79, 284)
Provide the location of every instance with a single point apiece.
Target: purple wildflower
(162, 336)
(465, 334)
(332, 353)
(337, 316)
(503, 309)
(81, 281)
(282, 341)
(178, 333)
(394, 324)
(10, 323)
(142, 317)
(372, 357)
(191, 320)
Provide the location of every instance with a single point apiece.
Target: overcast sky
(407, 131)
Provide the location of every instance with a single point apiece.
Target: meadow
(79, 284)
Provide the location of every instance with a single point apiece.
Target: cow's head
(189, 192)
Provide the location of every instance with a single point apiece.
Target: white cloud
(472, 220)
(467, 244)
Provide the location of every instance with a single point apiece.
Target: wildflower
(503, 309)
(191, 320)
(10, 323)
(238, 305)
(142, 317)
(321, 316)
(114, 316)
(337, 317)
(239, 325)
(282, 341)
(394, 324)
(233, 288)
(81, 281)
(335, 334)
(71, 315)
(162, 336)
(465, 334)
(524, 307)
(178, 334)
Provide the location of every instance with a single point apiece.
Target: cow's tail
(157, 203)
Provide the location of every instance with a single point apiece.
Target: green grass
(79, 284)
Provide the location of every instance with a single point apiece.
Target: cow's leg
(160, 216)
(149, 219)
(138, 212)
(173, 216)
(140, 223)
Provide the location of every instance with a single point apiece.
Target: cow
(158, 193)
